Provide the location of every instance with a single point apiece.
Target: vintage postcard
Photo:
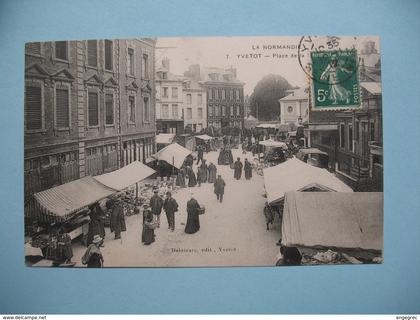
(203, 152)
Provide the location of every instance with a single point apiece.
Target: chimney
(165, 63)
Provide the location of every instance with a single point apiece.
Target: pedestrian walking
(192, 180)
(156, 204)
(203, 173)
(180, 178)
(237, 169)
(219, 188)
(199, 178)
(268, 214)
(200, 154)
(193, 219)
(170, 206)
(212, 170)
(148, 233)
(96, 223)
(93, 256)
(117, 223)
(248, 169)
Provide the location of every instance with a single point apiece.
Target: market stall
(174, 154)
(334, 227)
(206, 141)
(273, 151)
(164, 139)
(295, 175)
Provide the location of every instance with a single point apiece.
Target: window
(165, 92)
(131, 109)
(174, 111)
(165, 111)
(93, 109)
(223, 111)
(350, 137)
(342, 141)
(62, 108)
(211, 111)
(189, 113)
(33, 108)
(145, 67)
(231, 94)
(210, 94)
(164, 75)
(199, 99)
(216, 94)
(372, 131)
(200, 113)
(232, 110)
(175, 92)
(216, 111)
(290, 109)
(130, 62)
(146, 109)
(33, 48)
(61, 50)
(109, 108)
(237, 94)
(189, 99)
(108, 55)
(238, 111)
(356, 130)
(92, 53)
(223, 94)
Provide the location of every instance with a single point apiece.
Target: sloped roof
(333, 219)
(165, 138)
(374, 88)
(297, 94)
(272, 143)
(204, 137)
(295, 175)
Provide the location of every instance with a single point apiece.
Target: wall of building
(291, 111)
(192, 117)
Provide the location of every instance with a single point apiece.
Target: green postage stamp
(335, 80)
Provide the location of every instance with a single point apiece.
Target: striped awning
(61, 203)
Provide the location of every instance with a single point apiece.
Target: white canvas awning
(267, 125)
(295, 175)
(126, 176)
(165, 138)
(333, 219)
(272, 143)
(204, 137)
(174, 154)
(61, 203)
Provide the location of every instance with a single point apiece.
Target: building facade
(89, 108)
(294, 108)
(194, 111)
(225, 95)
(169, 100)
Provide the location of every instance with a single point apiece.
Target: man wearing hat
(170, 206)
(93, 256)
(117, 221)
(156, 204)
(219, 188)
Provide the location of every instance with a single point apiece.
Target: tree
(265, 97)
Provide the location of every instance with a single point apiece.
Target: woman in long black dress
(148, 234)
(193, 220)
(192, 180)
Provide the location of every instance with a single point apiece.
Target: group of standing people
(237, 167)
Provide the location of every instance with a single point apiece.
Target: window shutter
(61, 50)
(92, 53)
(33, 108)
(33, 48)
(93, 109)
(109, 106)
(108, 54)
(62, 108)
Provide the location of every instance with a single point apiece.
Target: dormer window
(164, 75)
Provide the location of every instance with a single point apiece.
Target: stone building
(225, 95)
(89, 108)
(194, 111)
(294, 107)
(169, 100)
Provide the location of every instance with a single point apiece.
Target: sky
(253, 57)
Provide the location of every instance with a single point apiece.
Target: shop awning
(165, 138)
(60, 203)
(333, 219)
(125, 176)
(295, 175)
(267, 125)
(204, 137)
(272, 143)
(174, 154)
